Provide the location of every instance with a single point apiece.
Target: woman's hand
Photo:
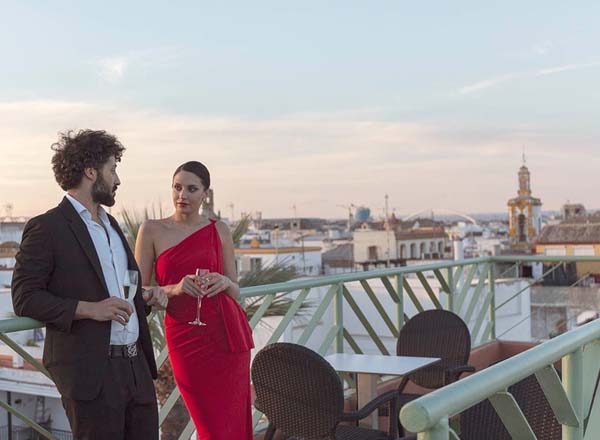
(189, 285)
(156, 296)
(214, 283)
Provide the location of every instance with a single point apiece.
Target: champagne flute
(199, 274)
(130, 285)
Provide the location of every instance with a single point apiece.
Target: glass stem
(198, 309)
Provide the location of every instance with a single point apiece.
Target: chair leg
(394, 412)
(403, 384)
(401, 387)
(270, 432)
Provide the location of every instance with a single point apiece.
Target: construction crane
(349, 207)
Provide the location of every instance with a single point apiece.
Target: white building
(11, 229)
(373, 247)
(305, 259)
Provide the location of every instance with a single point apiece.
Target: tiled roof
(343, 252)
(420, 233)
(585, 233)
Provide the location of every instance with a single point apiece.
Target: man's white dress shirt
(113, 260)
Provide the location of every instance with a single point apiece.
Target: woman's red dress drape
(210, 363)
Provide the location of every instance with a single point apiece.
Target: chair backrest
(298, 391)
(435, 333)
(481, 420)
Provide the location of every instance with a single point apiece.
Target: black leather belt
(123, 351)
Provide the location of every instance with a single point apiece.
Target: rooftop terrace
(324, 312)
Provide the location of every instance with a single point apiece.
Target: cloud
(542, 48)
(494, 81)
(113, 69)
(566, 68)
(270, 164)
(487, 83)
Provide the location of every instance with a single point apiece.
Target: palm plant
(178, 417)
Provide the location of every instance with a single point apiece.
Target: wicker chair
(303, 397)
(434, 333)
(481, 420)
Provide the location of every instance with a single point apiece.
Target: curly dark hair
(74, 152)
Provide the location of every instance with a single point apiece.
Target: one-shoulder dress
(210, 363)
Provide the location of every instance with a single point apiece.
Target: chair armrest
(371, 406)
(457, 371)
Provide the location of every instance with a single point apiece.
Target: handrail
(424, 413)
(355, 276)
(18, 324)
(539, 258)
(12, 325)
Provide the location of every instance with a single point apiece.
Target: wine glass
(199, 274)
(130, 285)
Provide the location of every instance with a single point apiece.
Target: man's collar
(79, 207)
(83, 211)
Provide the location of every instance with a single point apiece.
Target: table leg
(367, 391)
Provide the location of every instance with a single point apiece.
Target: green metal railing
(467, 287)
(570, 399)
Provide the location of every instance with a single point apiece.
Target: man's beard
(102, 194)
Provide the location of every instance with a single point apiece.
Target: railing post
(338, 311)
(572, 373)
(9, 416)
(400, 304)
(451, 293)
(441, 431)
(492, 281)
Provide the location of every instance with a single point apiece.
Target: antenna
(8, 208)
(524, 158)
(387, 232)
(350, 217)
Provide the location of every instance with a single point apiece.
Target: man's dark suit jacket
(57, 266)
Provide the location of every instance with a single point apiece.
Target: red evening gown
(210, 363)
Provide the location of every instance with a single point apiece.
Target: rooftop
(570, 233)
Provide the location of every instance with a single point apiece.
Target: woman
(210, 362)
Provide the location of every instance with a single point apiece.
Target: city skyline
(309, 105)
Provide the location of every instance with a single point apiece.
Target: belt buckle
(132, 350)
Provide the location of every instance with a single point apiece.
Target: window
(583, 251)
(555, 250)
(372, 252)
(255, 263)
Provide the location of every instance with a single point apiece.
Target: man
(69, 274)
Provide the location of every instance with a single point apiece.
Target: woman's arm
(144, 251)
(145, 255)
(233, 289)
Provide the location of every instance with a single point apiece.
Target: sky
(309, 104)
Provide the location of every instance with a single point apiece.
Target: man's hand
(110, 309)
(156, 296)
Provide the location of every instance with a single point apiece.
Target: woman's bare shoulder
(223, 228)
(151, 227)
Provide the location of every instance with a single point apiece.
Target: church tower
(208, 207)
(525, 213)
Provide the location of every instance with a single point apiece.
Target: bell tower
(525, 213)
